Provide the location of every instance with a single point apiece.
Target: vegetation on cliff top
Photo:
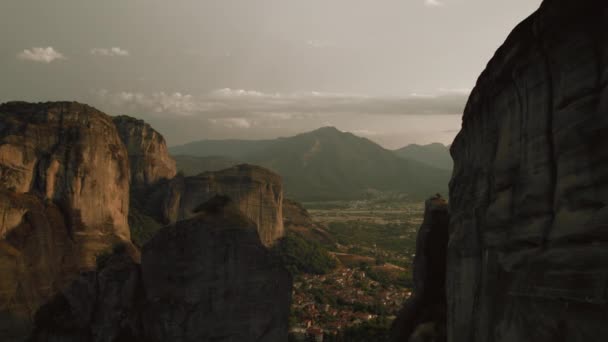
(303, 256)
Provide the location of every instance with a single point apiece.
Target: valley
(374, 246)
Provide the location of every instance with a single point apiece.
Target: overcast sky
(395, 71)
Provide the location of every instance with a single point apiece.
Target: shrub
(303, 256)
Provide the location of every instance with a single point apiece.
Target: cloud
(109, 52)
(227, 92)
(159, 102)
(252, 104)
(40, 55)
(433, 3)
(233, 122)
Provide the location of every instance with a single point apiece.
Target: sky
(394, 71)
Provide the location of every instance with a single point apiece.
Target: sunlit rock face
(64, 198)
(257, 192)
(208, 278)
(527, 252)
(148, 154)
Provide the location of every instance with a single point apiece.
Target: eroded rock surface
(257, 192)
(423, 317)
(528, 259)
(148, 154)
(64, 198)
(208, 278)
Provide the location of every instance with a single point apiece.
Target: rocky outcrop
(101, 305)
(148, 154)
(210, 279)
(257, 192)
(423, 317)
(527, 253)
(207, 278)
(64, 198)
(297, 219)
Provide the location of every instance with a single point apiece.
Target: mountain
(437, 155)
(232, 149)
(327, 164)
(192, 166)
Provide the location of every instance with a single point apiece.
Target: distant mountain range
(325, 164)
(437, 155)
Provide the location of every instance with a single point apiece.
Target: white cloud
(433, 3)
(159, 102)
(227, 92)
(40, 54)
(242, 123)
(109, 52)
(228, 104)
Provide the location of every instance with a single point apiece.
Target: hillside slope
(437, 155)
(327, 164)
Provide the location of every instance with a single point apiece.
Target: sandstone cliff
(64, 198)
(527, 253)
(257, 192)
(148, 155)
(207, 278)
(423, 317)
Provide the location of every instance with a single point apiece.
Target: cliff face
(257, 192)
(148, 155)
(423, 317)
(208, 278)
(527, 251)
(64, 197)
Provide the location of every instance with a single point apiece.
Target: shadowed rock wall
(528, 253)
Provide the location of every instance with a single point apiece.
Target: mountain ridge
(434, 154)
(328, 164)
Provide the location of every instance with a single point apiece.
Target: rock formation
(527, 253)
(258, 193)
(297, 219)
(148, 154)
(64, 198)
(425, 311)
(210, 279)
(207, 278)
